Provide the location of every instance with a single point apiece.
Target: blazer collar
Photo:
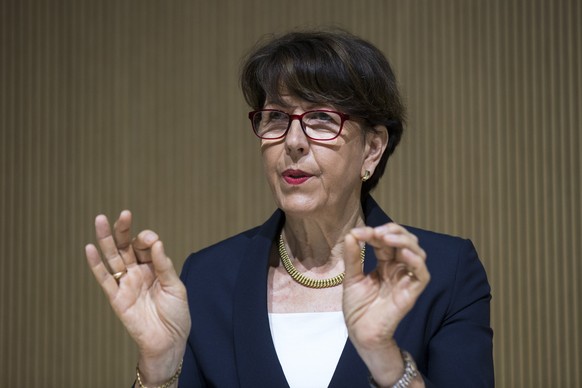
(256, 358)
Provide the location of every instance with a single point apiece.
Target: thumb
(163, 267)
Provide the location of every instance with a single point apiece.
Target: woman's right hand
(149, 299)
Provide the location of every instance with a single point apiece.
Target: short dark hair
(332, 67)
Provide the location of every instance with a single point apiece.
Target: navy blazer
(230, 345)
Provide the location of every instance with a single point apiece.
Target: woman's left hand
(374, 304)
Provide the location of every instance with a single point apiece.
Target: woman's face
(312, 178)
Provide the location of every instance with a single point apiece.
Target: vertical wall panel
(110, 105)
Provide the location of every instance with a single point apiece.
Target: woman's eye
(277, 116)
(323, 116)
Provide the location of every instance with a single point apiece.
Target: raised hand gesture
(374, 304)
(145, 292)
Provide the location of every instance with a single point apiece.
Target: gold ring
(118, 275)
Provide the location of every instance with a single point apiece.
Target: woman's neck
(318, 242)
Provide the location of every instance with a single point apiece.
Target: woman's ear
(376, 143)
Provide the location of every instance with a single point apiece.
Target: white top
(309, 346)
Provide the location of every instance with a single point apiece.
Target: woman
(328, 291)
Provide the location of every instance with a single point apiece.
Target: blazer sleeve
(460, 352)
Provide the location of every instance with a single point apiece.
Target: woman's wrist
(390, 366)
(155, 371)
(408, 377)
(170, 383)
(386, 367)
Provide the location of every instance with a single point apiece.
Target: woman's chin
(300, 205)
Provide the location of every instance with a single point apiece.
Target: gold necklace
(310, 282)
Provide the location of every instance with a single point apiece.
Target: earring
(366, 176)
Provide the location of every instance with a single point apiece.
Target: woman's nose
(296, 140)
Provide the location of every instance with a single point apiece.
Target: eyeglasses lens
(317, 125)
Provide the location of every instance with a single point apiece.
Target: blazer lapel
(256, 358)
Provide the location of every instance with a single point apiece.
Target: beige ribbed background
(106, 105)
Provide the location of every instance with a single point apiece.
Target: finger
(163, 266)
(405, 262)
(122, 236)
(392, 235)
(411, 281)
(100, 271)
(371, 236)
(142, 245)
(400, 235)
(374, 236)
(107, 244)
(388, 240)
(352, 259)
(364, 233)
(416, 268)
(403, 241)
(405, 294)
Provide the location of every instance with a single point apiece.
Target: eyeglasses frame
(344, 117)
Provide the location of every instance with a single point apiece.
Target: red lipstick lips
(295, 177)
